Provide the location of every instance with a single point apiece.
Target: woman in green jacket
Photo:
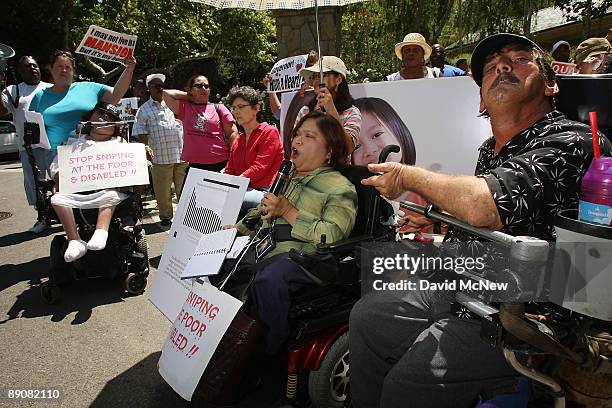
(317, 200)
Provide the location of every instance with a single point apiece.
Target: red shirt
(259, 159)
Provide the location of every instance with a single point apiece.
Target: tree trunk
(527, 14)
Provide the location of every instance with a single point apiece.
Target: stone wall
(296, 31)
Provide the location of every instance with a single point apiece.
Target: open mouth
(294, 152)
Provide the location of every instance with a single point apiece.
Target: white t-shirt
(431, 73)
(26, 93)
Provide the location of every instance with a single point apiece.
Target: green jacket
(326, 203)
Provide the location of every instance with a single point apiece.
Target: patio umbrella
(279, 5)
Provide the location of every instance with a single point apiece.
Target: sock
(98, 240)
(76, 249)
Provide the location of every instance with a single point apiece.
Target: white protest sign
(128, 108)
(285, 74)
(88, 165)
(195, 335)
(436, 118)
(210, 254)
(106, 44)
(563, 68)
(35, 117)
(208, 202)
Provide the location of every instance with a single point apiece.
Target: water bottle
(596, 193)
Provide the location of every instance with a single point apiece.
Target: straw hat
(413, 39)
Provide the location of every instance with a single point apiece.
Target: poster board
(285, 74)
(87, 166)
(106, 44)
(209, 200)
(441, 115)
(198, 328)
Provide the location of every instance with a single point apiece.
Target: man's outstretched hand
(391, 179)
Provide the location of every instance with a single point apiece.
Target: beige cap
(413, 39)
(591, 48)
(330, 63)
(151, 77)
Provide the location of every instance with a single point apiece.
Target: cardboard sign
(209, 201)
(195, 335)
(106, 44)
(285, 74)
(128, 107)
(563, 68)
(87, 166)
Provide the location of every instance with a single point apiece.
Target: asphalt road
(99, 346)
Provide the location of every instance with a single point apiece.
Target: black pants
(271, 291)
(412, 352)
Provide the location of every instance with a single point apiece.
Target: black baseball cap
(109, 108)
(491, 44)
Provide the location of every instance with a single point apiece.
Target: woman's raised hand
(130, 62)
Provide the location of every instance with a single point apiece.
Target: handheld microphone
(281, 178)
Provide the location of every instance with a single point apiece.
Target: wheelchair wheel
(135, 283)
(142, 247)
(328, 385)
(50, 293)
(59, 269)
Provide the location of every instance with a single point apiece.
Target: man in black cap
(408, 348)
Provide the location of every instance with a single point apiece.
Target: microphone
(277, 187)
(281, 178)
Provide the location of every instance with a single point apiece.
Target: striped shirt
(349, 118)
(165, 133)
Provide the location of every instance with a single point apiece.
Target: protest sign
(439, 117)
(128, 108)
(563, 68)
(197, 330)
(106, 44)
(285, 74)
(208, 202)
(87, 166)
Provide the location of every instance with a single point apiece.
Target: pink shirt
(203, 139)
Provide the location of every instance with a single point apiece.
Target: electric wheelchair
(314, 368)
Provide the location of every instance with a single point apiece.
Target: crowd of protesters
(183, 129)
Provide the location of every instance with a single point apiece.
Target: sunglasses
(200, 86)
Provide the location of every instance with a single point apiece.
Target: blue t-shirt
(450, 71)
(62, 111)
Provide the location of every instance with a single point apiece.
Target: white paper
(285, 74)
(107, 44)
(208, 202)
(210, 254)
(202, 321)
(128, 108)
(35, 117)
(96, 166)
(239, 244)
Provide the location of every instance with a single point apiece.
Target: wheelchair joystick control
(322, 247)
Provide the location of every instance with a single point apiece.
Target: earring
(328, 158)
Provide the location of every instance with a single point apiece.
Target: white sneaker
(38, 227)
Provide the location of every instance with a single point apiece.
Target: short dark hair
(334, 135)
(250, 95)
(311, 58)
(461, 61)
(60, 53)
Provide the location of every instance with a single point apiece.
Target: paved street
(98, 345)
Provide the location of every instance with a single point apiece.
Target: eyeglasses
(200, 86)
(239, 107)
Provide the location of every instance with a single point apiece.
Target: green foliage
(370, 30)
(242, 41)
